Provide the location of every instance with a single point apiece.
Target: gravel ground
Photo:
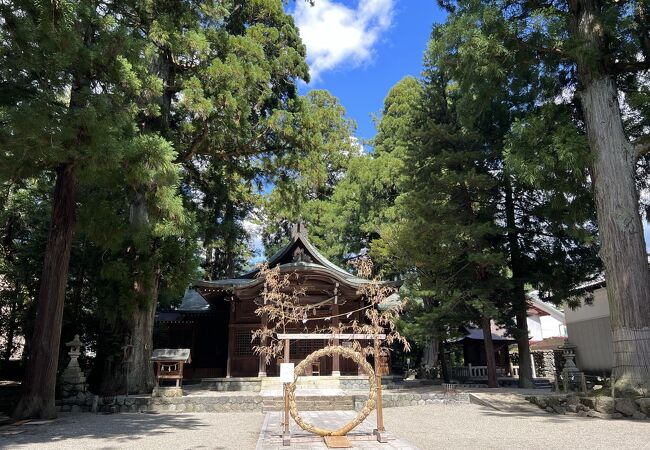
(437, 426)
(466, 426)
(236, 431)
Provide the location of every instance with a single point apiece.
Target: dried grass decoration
(346, 352)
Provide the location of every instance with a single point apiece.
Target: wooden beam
(340, 336)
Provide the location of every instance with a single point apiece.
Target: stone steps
(344, 403)
(542, 383)
(306, 382)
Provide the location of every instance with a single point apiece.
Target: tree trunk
(444, 364)
(518, 300)
(230, 239)
(130, 369)
(489, 352)
(137, 331)
(523, 339)
(141, 376)
(11, 327)
(37, 400)
(623, 248)
(430, 357)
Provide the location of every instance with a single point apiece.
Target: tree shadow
(119, 429)
(546, 416)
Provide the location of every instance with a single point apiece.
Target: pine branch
(641, 19)
(622, 67)
(200, 139)
(642, 146)
(195, 175)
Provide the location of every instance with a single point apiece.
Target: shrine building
(216, 319)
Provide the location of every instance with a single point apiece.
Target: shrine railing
(471, 372)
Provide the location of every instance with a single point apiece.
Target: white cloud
(254, 229)
(336, 34)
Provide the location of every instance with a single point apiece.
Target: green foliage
(537, 147)
(363, 201)
(322, 145)
(168, 111)
(495, 188)
(446, 233)
(24, 210)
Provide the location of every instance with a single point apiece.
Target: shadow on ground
(118, 429)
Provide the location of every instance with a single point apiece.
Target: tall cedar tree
(599, 50)
(547, 225)
(304, 179)
(448, 233)
(363, 202)
(66, 100)
(227, 71)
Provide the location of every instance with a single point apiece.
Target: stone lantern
(73, 374)
(570, 373)
(74, 395)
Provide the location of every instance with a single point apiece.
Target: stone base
(602, 407)
(246, 384)
(167, 391)
(382, 436)
(245, 402)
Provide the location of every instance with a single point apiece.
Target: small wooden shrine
(218, 326)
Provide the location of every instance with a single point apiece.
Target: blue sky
(358, 49)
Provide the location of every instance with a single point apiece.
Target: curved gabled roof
(298, 255)
(299, 240)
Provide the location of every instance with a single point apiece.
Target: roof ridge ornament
(299, 255)
(299, 229)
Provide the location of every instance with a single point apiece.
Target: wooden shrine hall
(216, 320)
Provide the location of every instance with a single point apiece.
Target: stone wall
(232, 384)
(226, 403)
(545, 363)
(362, 384)
(391, 400)
(243, 403)
(355, 383)
(77, 402)
(596, 406)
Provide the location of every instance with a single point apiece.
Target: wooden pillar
(380, 430)
(336, 362)
(262, 363)
(231, 338)
(287, 351)
(359, 316)
(286, 433)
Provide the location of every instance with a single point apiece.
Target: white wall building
(589, 329)
(544, 320)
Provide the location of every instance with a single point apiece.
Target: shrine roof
(476, 334)
(298, 255)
